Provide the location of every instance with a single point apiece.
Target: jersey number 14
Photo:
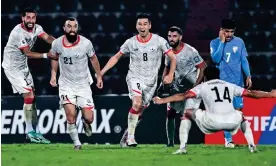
(226, 95)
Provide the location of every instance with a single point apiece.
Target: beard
(175, 44)
(71, 38)
(27, 27)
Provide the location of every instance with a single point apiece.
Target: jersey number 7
(226, 95)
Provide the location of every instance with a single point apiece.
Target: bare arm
(49, 39)
(201, 74)
(174, 98)
(112, 61)
(259, 94)
(166, 71)
(169, 77)
(54, 68)
(34, 55)
(96, 65)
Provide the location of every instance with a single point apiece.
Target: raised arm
(111, 62)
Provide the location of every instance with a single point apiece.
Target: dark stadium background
(109, 23)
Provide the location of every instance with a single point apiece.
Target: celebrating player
(229, 52)
(189, 73)
(16, 54)
(73, 51)
(145, 50)
(218, 97)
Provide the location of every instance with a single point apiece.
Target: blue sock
(227, 137)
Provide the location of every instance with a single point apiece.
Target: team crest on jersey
(77, 55)
(235, 49)
(152, 49)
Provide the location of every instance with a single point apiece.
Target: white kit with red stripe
(15, 63)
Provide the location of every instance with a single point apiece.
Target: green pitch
(144, 155)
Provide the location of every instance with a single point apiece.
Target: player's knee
(171, 114)
(187, 114)
(137, 106)
(28, 95)
(71, 119)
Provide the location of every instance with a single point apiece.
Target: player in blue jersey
(229, 53)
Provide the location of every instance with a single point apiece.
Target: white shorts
(181, 106)
(139, 88)
(81, 97)
(21, 81)
(212, 122)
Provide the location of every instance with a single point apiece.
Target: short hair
(28, 10)
(211, 72)
(228, 24)
(176, 29)
(143, 15)
(70, 19)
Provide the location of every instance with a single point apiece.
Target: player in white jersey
(220, 114)
(145, 50)
(15, 64)
(73, 52)
(188, 73)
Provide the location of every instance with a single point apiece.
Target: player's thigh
(70, 112)
(67, 95)
(134, 87)
(21, 82)
(238, 102)
(86, 103)
(148, 94)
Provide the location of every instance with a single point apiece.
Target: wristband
(44, 55)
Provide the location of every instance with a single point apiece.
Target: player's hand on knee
(157, 100)
(99, 82)
(53, 82)
(168, 79)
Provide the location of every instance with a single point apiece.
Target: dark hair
(211, 72)
(176, 29)
(28, 10)
(143, 15)
(70, 19)
(228, 24)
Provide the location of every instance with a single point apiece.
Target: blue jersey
(229, 57)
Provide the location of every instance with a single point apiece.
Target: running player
(146, 50)
(220, 114)
(73, 51)
(189, 73)
(16, 54)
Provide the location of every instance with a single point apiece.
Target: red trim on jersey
(72, 45)
(141, 41)
(181, 48)
(201, 65)
(167, 51)
(40, 35)
(28, 100)
(89, 108)
(21, 48)
(121, 52)
(29, 89)
(23, 26)
(243, 92)
(193, 94)
(137, 91)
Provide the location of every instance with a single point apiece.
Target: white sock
(132, 123)
(73, 132)
(28, 116)
(185, 126)
(245, 126)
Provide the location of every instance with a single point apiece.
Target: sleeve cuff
(41, 34)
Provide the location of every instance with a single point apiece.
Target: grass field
(144, 155)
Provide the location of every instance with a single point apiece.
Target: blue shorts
(238, 102)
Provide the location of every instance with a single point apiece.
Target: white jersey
(73, 61)
(19, 39)
(187, 61)
(145, 57)
(218, 95)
